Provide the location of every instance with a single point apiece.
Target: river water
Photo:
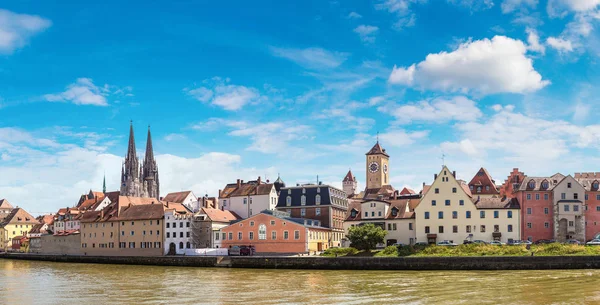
(29, 282)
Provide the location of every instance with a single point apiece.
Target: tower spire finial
(104, 183)
(377, 136)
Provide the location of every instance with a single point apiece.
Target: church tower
(139, 180)
(377, 164)
(149, 172)
(349, 184)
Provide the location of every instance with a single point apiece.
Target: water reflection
(26, 282)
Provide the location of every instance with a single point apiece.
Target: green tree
(366, 237)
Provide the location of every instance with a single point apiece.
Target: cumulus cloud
(402, 10)
(401, 137)
(354, 15)
(534, 41)
(509, 6)
(559, 44)
(312, 58)
(482, 66)
(82, 92)
(473, 5)
(221, 93)
(17, 29)
(366, 32)
(560, 7)
(438, 110)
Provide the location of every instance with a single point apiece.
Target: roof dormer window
(595, 185)
(288, 201)
(545, 184)
(353, 213)
(531, 184)
(394, 212)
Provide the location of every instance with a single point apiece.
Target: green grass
(555, 249)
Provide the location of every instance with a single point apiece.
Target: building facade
(178, 229)
(350, 184)
(591, 184)
(17, 223)
(483, 185)
(277, 232)
(186, 198)
(206, 226)
(140, 180)
(247, 199)
(536, 197)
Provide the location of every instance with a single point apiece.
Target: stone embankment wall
(340, 263)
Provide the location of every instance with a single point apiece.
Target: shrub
(366, 237)
(388, 251)
(333, 252)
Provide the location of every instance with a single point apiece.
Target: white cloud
(473, 5)
(405, 22)
(354, 15)
(402, 138)
(82, 92)
(366, 32)
(438, 110)
(401, 8)
(17, 29)
(312, 58)
(534, 41)
(559, 44)
(521, 138)
(581, 112)
(482, 66)
(509, 6)
(560, 7)
(340, 116)
(221, 93)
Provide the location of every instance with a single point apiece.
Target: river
(30, 282)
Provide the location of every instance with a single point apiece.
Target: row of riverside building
(305, 218)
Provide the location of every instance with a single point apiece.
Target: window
(389, 226)
(273, 235)
(496, 214)
(168, 235)
(447, 202)
(318, 212)
(566, 208)
(571, 223)
(303, 200)
(251, 235)
(394, 227)
(181, 224)
(187, 234)
(410, 226)
(230, 235)
(441, 229)
(440, 215)
(545, 196)
(510, 228)
(546, 211)
(174, 225)
(366, 214)
(598, 208)
(546, 225)
(454, 229)
(597, 197)
(528, 211)
(496, 228)
(482, 229)
(426, 215)
(187, 224)
(239, 235)
(285, 235)
(569, 185)
(481, 214)
(217, 235)
(471, 187)
(288, 201)
(437, 191)
(252, 223)
(245, 200)
(468, 229)
(427, 229)
(453, 190)
(575, 208)
(575, 196)
(532, 184)
(262, 232)
(468, 214)
(318, 199)
(479, 189)
(461, 202)
(132, 233)
(528, 196)
(187, 245)
(454, 215)
(529, 225)
(122, 233)
(586, 197)
(433, 203)
(487, 187)
(167, 225)
(563, 196)
(296, 234)
(537, 196)
(379, 213)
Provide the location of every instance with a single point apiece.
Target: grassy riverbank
(555, 249)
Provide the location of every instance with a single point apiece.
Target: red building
(483, 184)
(591, 183)
(277, 232)
(512, 183)
(537, 207)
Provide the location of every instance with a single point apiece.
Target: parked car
(573, 242)
(593, 242)
(481, 242)
(234, 251)
(497, 243)
(446, 243)
(422, 244)
(398, 245)
(245, 251)
(544, 241)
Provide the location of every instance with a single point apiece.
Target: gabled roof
(403, 207)
(4, 204)
(349, 177)
(552, 182)
(377, 150)
(177, 207)
(178, 197)
(496, 203)
(142, 212)
(589, 181)
(407, 191)
(387, 191)
(217, 215)
(254, 187)
(18, 216)
(482, 183)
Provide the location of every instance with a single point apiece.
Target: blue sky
(238, 89)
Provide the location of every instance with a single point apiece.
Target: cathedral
(139, 180)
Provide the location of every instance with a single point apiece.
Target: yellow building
(16, 223)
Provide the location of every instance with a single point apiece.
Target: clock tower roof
(377, 150)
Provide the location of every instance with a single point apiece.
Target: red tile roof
(219, 215)
(482, 183)
(377, 150)
(20, 216)
(178, 197)
(4, 204)
(349, 177)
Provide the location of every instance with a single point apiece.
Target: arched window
(180, 245)
(545, 184)
(487, 187)
(288, 200)
(303, 191)
(303, 200)
(187, 245)
(318, 199)
(262, 231)
(595, 185)
(531, 184)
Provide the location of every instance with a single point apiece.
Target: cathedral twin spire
(139, 180)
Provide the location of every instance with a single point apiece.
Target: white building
(448, 211)
(178, 229)
(247, 199)
(207, 224)
(186, 198)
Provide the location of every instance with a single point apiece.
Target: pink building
(591, 183)
(537, 208)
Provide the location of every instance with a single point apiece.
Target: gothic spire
(104, 184)
(149, 156)
(131, 146)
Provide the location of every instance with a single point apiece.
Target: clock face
(385, 168)
(373, 167)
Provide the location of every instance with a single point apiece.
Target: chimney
(102, 214)
(434, 176)
(239, 183)
(454, 174)
(258, 180)
(161, 198)
(219, 193)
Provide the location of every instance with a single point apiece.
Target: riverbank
(339, 263)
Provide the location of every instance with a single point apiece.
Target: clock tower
(377, 167)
